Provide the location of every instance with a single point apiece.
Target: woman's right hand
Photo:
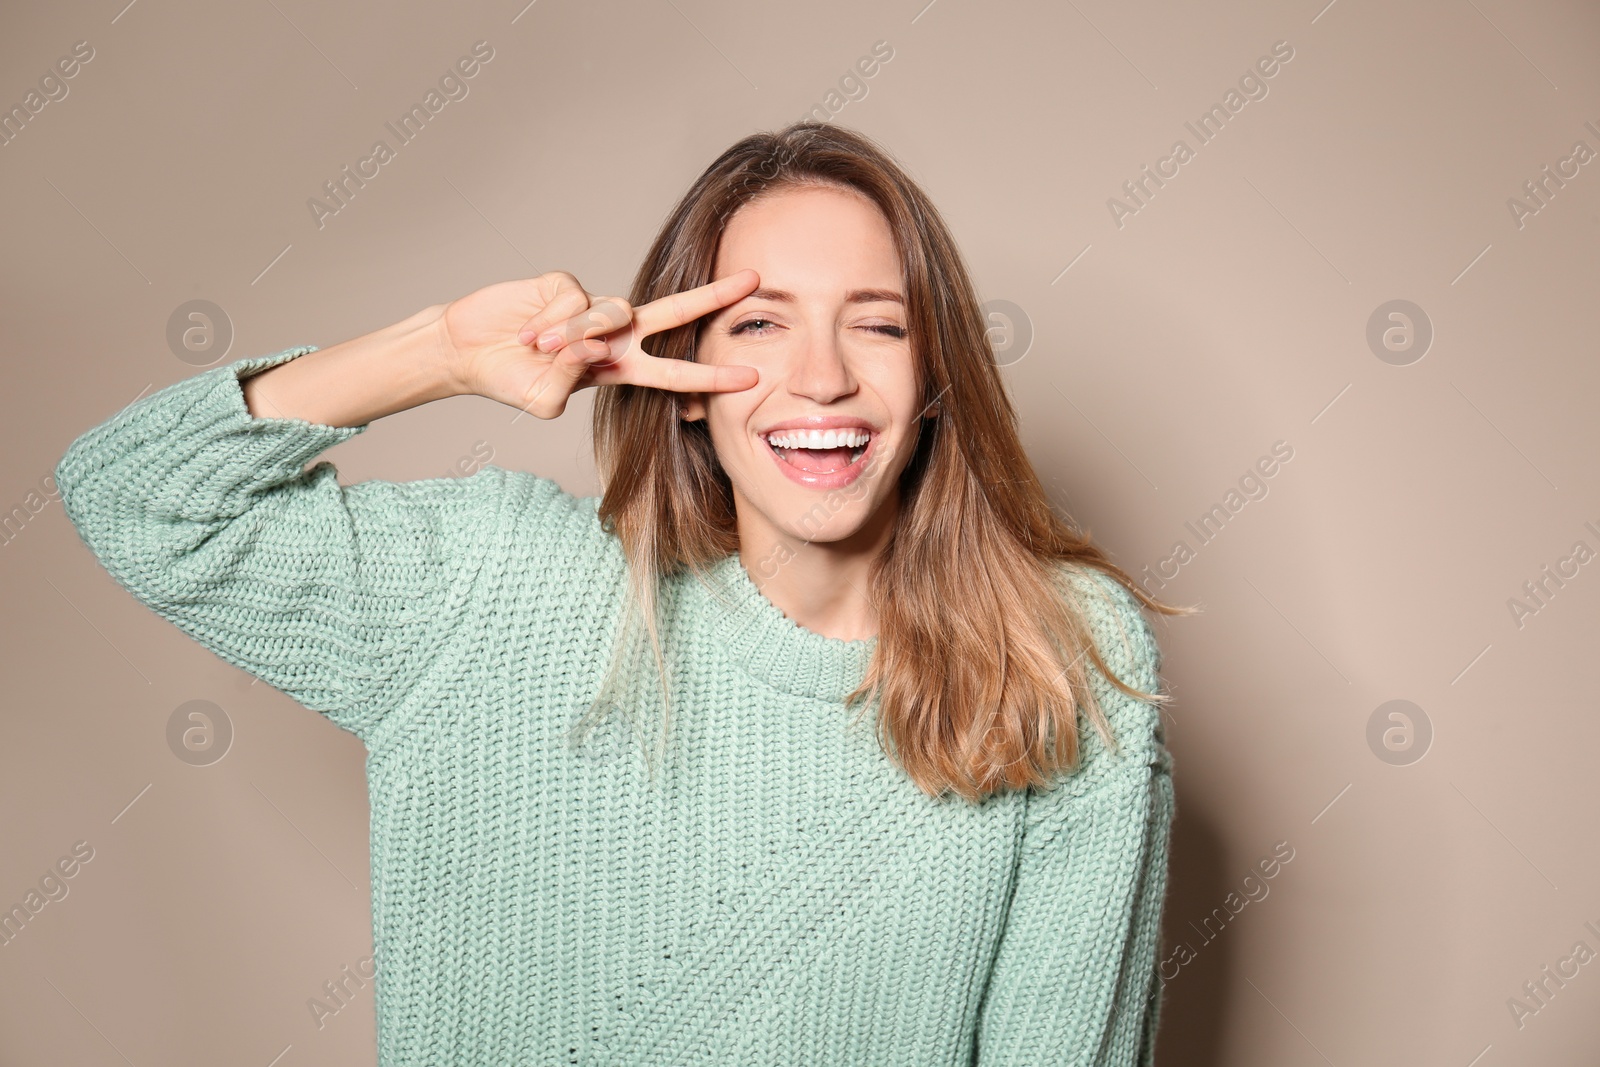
(479, 338)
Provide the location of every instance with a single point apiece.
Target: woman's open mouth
(821, 459)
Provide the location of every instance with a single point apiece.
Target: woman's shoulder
(1116, 621)
(519, 497)
(529, 519)
(538, 497)
(1116, 618)
(535, 500)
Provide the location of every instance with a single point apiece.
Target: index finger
(675, 309)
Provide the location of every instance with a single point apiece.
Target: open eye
(743, 327)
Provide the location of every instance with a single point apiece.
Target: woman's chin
(815, 518)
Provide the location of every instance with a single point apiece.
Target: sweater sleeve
(336, 595)
(1075, 980)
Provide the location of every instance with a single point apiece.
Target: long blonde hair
(980, 661)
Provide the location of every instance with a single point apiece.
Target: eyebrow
(854, 296)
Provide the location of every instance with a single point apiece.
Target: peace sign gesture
(581, 341)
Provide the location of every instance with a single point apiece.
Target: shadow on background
(1197, 997)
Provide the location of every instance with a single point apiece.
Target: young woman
(621, 812)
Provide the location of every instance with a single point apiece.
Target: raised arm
(197, 500)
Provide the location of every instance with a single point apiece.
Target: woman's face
(815, 449)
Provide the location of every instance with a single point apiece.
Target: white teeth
(846, 438)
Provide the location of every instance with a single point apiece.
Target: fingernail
(524, 336)
(549, 341)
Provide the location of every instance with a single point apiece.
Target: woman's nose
(819, 371)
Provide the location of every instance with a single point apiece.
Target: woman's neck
(824, 586)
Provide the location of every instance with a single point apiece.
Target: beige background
(1229, 313)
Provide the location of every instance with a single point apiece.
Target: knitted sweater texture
(780, 894)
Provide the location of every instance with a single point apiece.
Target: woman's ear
(692, 408)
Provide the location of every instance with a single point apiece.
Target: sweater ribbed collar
(771, 647)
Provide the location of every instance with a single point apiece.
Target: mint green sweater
(782, 894)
